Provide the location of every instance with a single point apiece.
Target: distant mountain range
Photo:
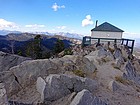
(5, 32)
(67, 34)
(70, 35)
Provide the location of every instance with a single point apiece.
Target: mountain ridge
(65, 34)
(18, 42)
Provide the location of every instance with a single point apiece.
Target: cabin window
(87, 39)
(108, 35)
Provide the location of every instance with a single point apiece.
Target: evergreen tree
(59, 46)
(37, 47)
(33, 48)
(19, 52)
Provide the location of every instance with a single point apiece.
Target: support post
(90, 40)
(98, 40)
(83, 42)
(127, 42)
(115, 41)
(98, 43)
(122, 41)
(132, 46)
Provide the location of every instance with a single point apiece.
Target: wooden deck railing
(87, 40)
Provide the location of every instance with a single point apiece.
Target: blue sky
(68, 15)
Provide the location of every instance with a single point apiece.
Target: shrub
(68, 51)
(59, 46)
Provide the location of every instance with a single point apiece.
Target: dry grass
(136, 87)
(121, 80)
(138, 90)
(95, 74)
(114, 66)
(99, 61)
(79, 73)
(103, 60)
(111, 50)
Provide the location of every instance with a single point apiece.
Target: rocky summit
(93, 75)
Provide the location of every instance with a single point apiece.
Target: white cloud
(55, 7)
(35, 26)
(87, 21)
(7, 24)
(61, 27)
(72, 31)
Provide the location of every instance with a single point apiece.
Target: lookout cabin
(105, 33)
(106, 30)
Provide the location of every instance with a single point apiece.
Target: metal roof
(107, 27)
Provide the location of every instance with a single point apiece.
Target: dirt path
(123, 96)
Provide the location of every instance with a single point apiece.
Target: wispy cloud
(55, 7)
(7, 24)
(61, 27)
(87, 21)
(35, 26)
(131, 35)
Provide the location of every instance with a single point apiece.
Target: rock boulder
(3, 96)
(85, 97)
(58, 86)
(9, 60)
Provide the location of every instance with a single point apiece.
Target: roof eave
(107, 30)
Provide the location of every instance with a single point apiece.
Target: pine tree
(33, 49)
(59, 46)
